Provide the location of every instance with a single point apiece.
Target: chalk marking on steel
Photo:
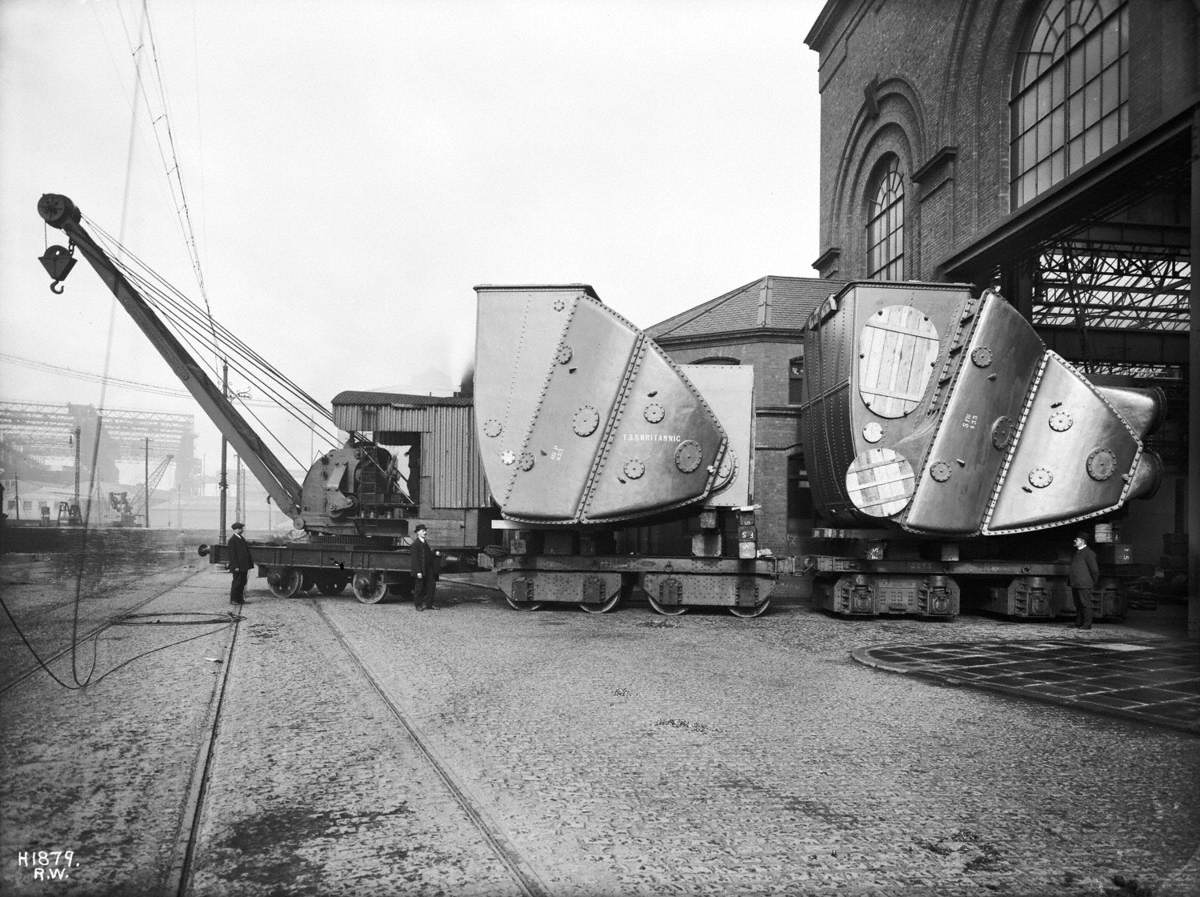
(524, 874)
(100, 627)
(187, 826)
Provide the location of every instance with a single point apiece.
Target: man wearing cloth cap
(240, 563)
(424, 569)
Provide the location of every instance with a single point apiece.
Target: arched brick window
(715, 359)
(885, 223)
(1070, 92)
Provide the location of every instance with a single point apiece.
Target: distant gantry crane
(45, 432)
(131, 509)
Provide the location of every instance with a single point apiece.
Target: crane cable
(186, 318)
(189, 237)
(171, 166)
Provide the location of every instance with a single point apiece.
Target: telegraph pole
(239, 502)
(146, 473)
(77, 434)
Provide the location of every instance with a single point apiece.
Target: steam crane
(352, 506)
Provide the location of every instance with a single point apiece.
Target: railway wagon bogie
(869, 595)
(670, 591)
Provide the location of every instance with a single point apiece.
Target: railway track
(522, 872)
(524, 876)
(187, 829)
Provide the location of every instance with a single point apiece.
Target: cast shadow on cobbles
(265, 847)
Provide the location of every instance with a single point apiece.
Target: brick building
(761, 324)
(1048, 148)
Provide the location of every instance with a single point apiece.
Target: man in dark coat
(1084, 574)
(424, 569)
(240, 563)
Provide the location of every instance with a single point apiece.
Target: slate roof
(771, 302)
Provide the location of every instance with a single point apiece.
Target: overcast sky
(354, 168)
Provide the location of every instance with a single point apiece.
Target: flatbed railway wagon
(441, 485)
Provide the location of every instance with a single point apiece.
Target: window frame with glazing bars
(885, 224)
(1070, 93)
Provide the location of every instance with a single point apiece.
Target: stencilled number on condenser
(970, 421)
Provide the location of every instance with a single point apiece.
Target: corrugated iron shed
(451, 472)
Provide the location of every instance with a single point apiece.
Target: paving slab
(1146, 680)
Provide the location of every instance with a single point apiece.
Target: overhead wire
(119, 382)
(266, 384)
(189, 327)
(95, 454)
(92, 376)
(162, 294)
(171, 166)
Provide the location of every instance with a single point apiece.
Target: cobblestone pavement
(104, 771)
(1137, 678)
(40, 592)
(592, 755)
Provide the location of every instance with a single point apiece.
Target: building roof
(396, 399)
(769, 303)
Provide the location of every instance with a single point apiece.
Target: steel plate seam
(537, 410)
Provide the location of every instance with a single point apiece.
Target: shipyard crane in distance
(130, 509)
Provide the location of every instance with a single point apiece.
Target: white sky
(354, 168)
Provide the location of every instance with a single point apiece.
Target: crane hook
(58, 262)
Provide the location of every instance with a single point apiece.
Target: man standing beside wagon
(1083, 575)
(425, 564)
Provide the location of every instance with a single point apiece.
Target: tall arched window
(1070, 92)
(885, 224)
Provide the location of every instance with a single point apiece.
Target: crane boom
(60, 212)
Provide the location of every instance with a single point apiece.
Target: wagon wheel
(667, 610)
(369, 587)
(285, 582)
(603, 607)
(523, 605)
(748, 612)
(331, 586)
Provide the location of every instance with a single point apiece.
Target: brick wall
(770, 358)
(915, 77)
(777, 430)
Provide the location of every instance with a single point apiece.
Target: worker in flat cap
(425, 565)
(240, 562)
